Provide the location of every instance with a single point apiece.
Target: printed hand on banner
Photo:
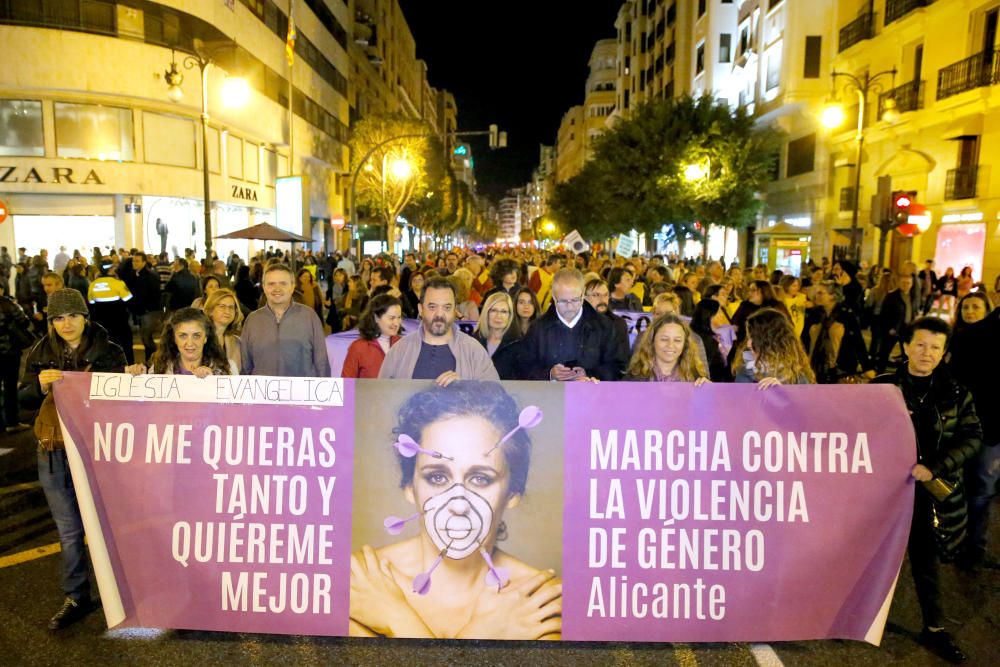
(529, 610)
(377, 600)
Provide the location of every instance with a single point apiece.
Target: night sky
(517, 63)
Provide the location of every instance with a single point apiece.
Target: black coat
(145, 288)
(975, 363)
(948, 434)
(100, 356)
(507, 357)
(853, 351)
(596, 351)
(892, 317)
(183, 289)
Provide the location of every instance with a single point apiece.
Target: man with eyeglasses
(572, 341)
(598, 294)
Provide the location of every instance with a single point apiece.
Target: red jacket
(364, 358)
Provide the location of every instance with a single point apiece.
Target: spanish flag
(290, 40)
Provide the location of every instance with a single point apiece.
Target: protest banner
(609, 512)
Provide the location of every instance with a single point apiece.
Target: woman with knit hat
(73, 343)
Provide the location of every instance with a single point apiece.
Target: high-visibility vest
(107, 289)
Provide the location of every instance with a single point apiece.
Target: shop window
(169, 140)
(801, 155)
(94, 132)
(21, 128)
(234, 156)
(213, 151)
(251, 162)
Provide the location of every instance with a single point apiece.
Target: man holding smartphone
(572, 341)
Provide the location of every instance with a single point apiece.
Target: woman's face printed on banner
(462, 499)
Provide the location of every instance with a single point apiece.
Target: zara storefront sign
(243, 192)
(53, 175)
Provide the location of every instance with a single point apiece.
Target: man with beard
(438, 350)
(572, 341)
(598, 295)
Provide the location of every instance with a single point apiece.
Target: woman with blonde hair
(499, 333)
(774, 354)
(223, 308)
(667, 353)
(467, 309)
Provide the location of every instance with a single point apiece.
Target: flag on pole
(290, 40)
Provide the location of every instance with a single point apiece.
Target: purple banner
(518, 510)
(217, 515)
(734, 514)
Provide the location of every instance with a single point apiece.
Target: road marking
(14, 488)
(142, 634)
(29, 555)
(685, 656)
(765, 655)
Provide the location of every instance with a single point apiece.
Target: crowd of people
(534, 315)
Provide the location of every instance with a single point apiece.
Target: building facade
(570, 144)
(95, 153)
(947, 92)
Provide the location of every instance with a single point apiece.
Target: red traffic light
(902, 201)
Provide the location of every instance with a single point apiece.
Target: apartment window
(671, 14)
(725, 47)
(772, 4)
(699, 59)
(773, 67)
(814, 45)
(801, 155)
(21, 128)
(744, 39)
(93, 131)
(701, 8)
(668, 55)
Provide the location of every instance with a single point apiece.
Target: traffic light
(901, 202)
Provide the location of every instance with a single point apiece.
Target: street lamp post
(497, 140)
(235, 90)
(833, 116)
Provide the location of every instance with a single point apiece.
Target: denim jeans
(54, 475)
(981, 477)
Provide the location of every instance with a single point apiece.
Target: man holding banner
(438, 350)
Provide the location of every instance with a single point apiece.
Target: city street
(29, 574)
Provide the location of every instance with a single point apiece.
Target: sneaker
(943, 645)
(17, 428)
(71, 612)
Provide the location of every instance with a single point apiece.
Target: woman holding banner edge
(771, 353)
(451, 580)
(73, 343)
(188, 346)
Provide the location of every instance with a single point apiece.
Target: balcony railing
(858, 30)
(897, 9)
(961, 183)
(909, 97)
(847, 199)
(978, 71)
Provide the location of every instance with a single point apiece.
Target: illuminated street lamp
(235, 93)
(833, 116)
(401, 169)
(695, 172)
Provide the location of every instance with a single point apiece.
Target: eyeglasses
(570, 302)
